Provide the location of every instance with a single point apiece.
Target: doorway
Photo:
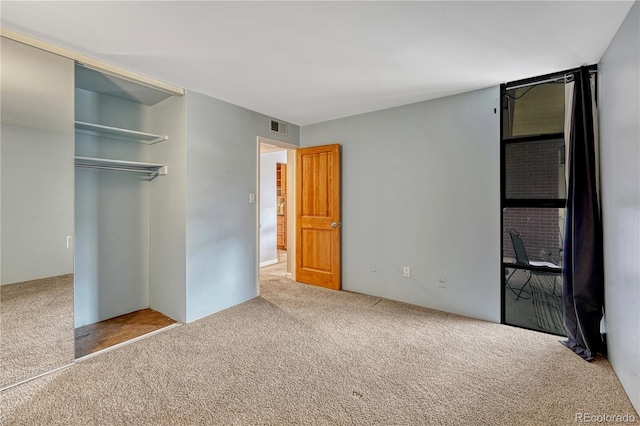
(276, 237)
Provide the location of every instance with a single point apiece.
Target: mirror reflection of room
(36, 292)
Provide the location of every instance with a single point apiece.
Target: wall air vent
(277, 126)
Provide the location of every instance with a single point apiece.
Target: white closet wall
(112, 214)
(168, 270)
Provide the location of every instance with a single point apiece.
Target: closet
(115, 142)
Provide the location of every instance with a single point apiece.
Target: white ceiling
(306, 62)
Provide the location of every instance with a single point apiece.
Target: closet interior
(119, 159)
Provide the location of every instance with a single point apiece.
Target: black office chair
(541, 267)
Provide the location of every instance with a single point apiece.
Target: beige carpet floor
(308, 356)
(36, 327)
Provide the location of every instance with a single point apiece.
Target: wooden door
(318, 227)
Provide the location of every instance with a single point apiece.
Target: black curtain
(583, 267)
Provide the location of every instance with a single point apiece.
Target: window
(533, 200)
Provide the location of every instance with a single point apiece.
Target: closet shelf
(151, 169)
(118, 133)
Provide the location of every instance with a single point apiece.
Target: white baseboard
(268, 262)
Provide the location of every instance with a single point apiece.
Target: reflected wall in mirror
(37, 186)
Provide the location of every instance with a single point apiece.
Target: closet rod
(123, 169)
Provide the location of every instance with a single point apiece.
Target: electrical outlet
(373, 267)
(406, 272)
(442, 282)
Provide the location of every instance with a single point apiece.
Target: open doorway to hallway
(276, 210)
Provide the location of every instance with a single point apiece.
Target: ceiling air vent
(278, 126)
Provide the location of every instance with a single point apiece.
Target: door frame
(291, 203)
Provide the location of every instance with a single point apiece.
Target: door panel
(317, 255)
(318, 226)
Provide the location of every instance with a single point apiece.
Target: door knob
(336, 224)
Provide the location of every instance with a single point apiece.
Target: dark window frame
(519, 202)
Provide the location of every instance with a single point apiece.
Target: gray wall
(268, 225)
(167, 279)
(221, 223)
(37, 163)
(619, 85)
(421, 188)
